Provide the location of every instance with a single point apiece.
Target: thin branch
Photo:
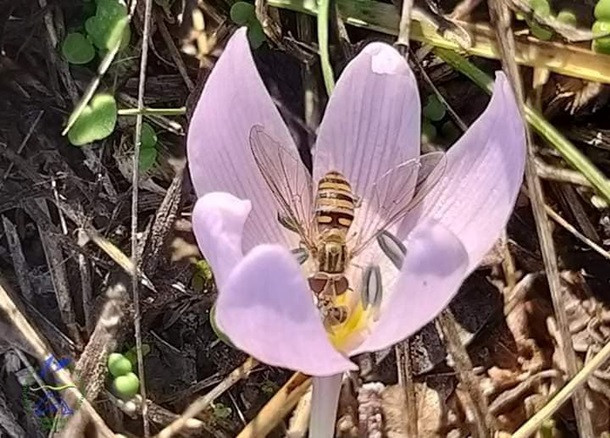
(135, 282)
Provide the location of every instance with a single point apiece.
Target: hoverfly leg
(301, 254)
(372, 288)
(392, 247)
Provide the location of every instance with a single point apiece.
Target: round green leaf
(96, 122)
(434, 110)
(242, 13)
(256, 35)
(602, 10)
(567, 16)
(147, 159)
(77, 49)
(126, 386)
(109, 25)
(118, 365)
(149, 136)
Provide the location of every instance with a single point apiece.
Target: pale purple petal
(266, 309)
(218, 224)
(432, 272)
(220, 159)
(372, 121)
(324, 404)
(484, 172)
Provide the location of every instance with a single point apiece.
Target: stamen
(392, 247)
(372, 287)
(301, 255)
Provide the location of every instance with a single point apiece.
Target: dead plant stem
(135, 282)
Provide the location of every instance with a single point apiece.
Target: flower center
(342, 334)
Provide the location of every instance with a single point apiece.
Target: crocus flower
(371, 125)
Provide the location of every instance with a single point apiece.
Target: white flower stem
(324, 401)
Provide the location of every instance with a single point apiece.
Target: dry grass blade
(278, 407)
(501, 17)
(202, 403)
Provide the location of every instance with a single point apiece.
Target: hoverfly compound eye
(317, 285)
(341, 285)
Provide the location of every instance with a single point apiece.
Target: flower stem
(327, 70)
(324, 400)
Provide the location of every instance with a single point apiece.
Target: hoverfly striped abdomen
(335, 203)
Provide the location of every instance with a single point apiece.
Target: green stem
(152, 111)
(571, 154)
(327, 70)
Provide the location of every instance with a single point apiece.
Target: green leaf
(132, 355)
(148, 158)
(539, 31)
(77, 49)
(256, 35)
(222, 411)
(96, 122)
(149, 136)
(242, 13)
(541, 7)
(109, 25)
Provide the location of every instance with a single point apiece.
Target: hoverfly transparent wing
(288, 180)
(396, 193)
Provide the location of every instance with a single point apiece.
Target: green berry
(434, 110)
(567, 16)
(242, 13)
(450, 131)
(428, 131)
(601, 45)
(602, 10)
(127, 386)
(118, 365)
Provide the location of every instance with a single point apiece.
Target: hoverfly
(323, 217)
